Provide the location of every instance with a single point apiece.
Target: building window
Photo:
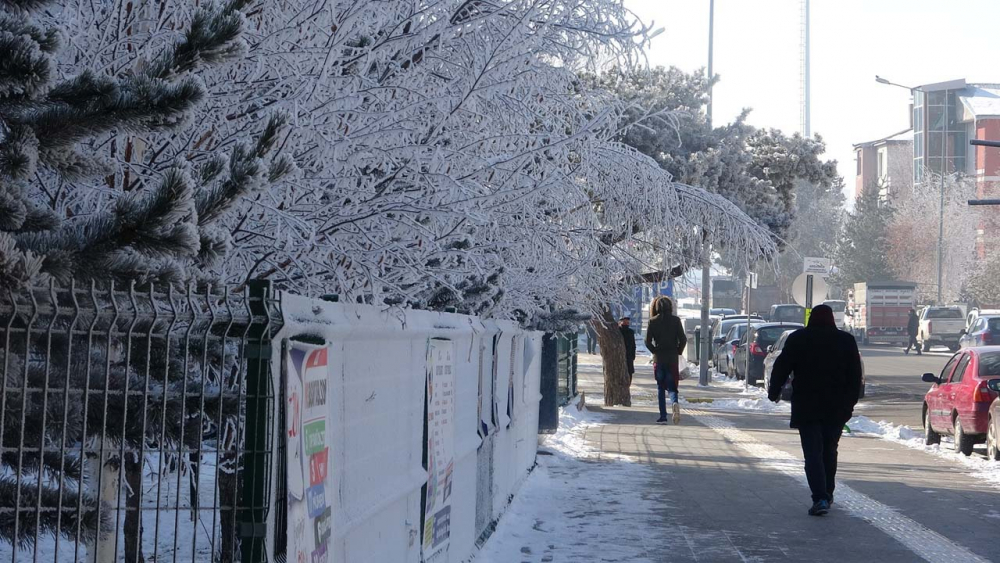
(881, 165)
(858, 160)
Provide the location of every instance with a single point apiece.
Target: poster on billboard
(308, 419)
(440, 449)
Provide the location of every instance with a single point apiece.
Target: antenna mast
(804, 120)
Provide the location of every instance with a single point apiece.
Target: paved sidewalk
(727, 486)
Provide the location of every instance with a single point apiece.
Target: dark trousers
(913, 343)
(666, 382)
(819, 447)
(591, 342)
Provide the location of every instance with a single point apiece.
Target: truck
(762, 298)
(880, 311)
(727, 293)
(941, 326)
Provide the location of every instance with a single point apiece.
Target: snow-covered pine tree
(162, 229)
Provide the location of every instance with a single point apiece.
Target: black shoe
(661, 420)
(906, 351)
(819, 508)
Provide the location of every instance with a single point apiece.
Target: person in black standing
(827, 382)
(665, 338)
(912, 328)
(629, 336)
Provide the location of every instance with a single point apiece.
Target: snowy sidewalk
(726, 485)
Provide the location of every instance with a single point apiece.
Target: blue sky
(911, 42)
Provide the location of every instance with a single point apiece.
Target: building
(885, 163)
(946, 116)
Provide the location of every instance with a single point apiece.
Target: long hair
(662, 305)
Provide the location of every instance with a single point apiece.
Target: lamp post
(706, 249)
(944, 164)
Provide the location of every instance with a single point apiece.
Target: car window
(989, 364)
(768, 335)
(944, 314)
(993, 323)
(960, 371)
(792, 314)
(950, 366)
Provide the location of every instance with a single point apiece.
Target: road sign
(817, 266)
(819, 290)
(752, 280)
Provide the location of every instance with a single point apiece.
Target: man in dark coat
(912, 328)
(827, 382)
(629, 336)
(591, 338)
(665, 338)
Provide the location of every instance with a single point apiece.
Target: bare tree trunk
(133, 511)
(616, 380)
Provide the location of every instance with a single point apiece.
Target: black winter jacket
(827, 368)
(913, 325)
(665, 338)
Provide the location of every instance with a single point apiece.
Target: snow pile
(750, 398)
(570, 439)
(574, 506)
(980, 467)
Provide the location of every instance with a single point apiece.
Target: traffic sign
(817, 266)
(819, 290)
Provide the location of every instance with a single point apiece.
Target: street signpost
(808, 289)
(751, 285)
(817, 266)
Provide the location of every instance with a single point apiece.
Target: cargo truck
(880, 311)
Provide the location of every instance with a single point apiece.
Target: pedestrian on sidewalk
(591, 338)
(629, 336)
(665, 338)
(827, 368)
(912, 328)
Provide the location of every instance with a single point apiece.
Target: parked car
(772, 354)
(993, 430)
(721, 311)
(984, 331)
(958, 402)
(724, 354)
(976, 312)
(787, 313)
(940, 326)
(760, 338)
(721, 328)
(786, 392)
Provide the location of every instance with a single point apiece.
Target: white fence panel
(376, 397)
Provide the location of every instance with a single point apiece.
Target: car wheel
(992, 448)
(954, 347)
(861, 395)
(963, 442)
(930, 436)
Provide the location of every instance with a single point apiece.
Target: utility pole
(944, 167)
(706, 249)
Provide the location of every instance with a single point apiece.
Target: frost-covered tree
(912, 239)
(443, 146)
(861, 254)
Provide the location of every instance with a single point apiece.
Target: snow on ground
(978, 466)
(574, 505)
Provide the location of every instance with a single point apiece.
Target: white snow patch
(574, 506)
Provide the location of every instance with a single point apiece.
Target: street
(894, 390)
(727, 483)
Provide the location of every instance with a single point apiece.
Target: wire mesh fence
(136, 425)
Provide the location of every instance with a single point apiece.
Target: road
(894, 390)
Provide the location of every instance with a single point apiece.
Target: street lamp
(944, 149)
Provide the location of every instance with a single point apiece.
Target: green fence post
(256, 486)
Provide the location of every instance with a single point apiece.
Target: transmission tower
(804, 120)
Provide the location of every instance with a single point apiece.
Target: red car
(959, 401)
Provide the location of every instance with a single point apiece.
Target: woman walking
(666, 340)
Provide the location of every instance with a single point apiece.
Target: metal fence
(136, 425)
